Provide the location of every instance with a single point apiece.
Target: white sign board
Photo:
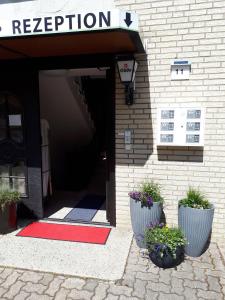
(68, 22)
(15, 120)
(180, 70)
(181, 127)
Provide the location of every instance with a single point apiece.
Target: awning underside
(117, 41)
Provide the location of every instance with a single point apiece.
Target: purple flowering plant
(148, 193)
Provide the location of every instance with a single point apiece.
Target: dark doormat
(86, 209)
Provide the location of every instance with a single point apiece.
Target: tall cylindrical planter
(196, 225)
(141, 217)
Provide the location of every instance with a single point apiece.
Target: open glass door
(20, 161)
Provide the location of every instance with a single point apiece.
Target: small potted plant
(145, 207)
(195, 217)
(8, 218)
(165, 245)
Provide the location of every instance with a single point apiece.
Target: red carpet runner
(62, 232)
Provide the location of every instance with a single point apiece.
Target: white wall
(31, 8)
(184, 29)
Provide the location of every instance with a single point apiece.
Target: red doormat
(62, 232)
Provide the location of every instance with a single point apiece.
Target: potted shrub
(195, 217)
(165, 245)
(145, 207)
(8, 219)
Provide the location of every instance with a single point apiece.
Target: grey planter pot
(141, 217)
(196, 225)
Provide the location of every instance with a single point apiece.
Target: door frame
(94, 61)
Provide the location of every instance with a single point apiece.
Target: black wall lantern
(127, 70)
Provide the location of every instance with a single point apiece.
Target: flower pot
(167, 261)
(196, 225)
(141, 217)
(8, 219)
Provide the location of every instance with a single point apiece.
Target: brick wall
(193, 30)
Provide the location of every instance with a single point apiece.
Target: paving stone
(133, 260)
(31, 277)
(137, 268)
(199, 274)
(120, 290)
(165, 276)
(151, 295)
(210, 295)
(218, 264)
(139, 288)
(129, 279)
(54, 286)
(158, 287)
(34, 296)
(202, 265)
(31, 287)
(21, 296)
(112, 297)
(190, 294)
(206, 257)
(214, 284)
(147, 276)
(6, 272)
(177, 286)
(143, 261)
(170, 297)
(47, 278)
(101, 291)
(196, 284)
(129, 298)
(11, 279)
(73, 283)
(186, 266)
(90, 285)
(215, 273)
(2, 291)
(14, 290)
(153, 269)
(183, 275)
(62, 294)
(80, 295)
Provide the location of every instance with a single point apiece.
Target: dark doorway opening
(74, 112)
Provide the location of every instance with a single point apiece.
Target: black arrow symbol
(128, 19)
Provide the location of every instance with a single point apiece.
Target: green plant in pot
(145, 207)
(165, 245)
(8, 200)
(195, 217)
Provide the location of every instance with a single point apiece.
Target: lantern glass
(126, 70)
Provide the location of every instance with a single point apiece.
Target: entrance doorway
(75, 130)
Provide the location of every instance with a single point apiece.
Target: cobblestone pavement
(199, 278)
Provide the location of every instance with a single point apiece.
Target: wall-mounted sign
(180, 69)
(15, 120)
(180, 127)
(64, 22)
